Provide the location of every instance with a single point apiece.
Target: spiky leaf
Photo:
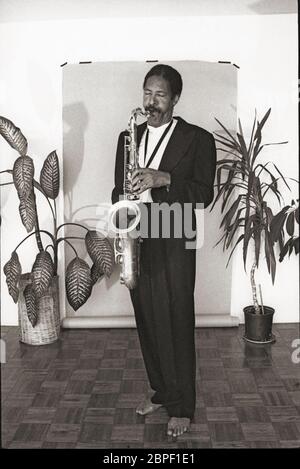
(277, 223)
(290, 222)
(257, 241)
(42, 273)
(291, 246)
(13, 135)
(296, 245)
(248, 234)
(234, 247)
(78, 282)
(297, 215)
(230, 213)
(27, 212)
(270, 256)
(231, 230)
(231, 137)
(100, 251)
(269, 214)
(49, 177)
(284, 250)
(12, 271)
(262, 123)
(96, 273)
(23, 172)
(31, 306)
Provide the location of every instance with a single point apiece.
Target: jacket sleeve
(119, 170)
(199, 187)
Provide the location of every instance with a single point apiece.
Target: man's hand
(147, 178)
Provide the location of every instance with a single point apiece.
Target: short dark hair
(169, 74)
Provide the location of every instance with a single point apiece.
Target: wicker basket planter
(47, 328)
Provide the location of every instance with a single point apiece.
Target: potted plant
(243, 184)
(286, 220)
(37, 292)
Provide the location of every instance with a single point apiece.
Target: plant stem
(49, 246)
(55, 216)
(76, 224)
(254, 294)
(31, 234)
(261, 299)
(37, 226)
(66, 241)
(70, 237)
(55, 248)
(6, 183)
(9, 171)
(39, 187)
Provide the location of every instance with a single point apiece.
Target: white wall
(265, 48)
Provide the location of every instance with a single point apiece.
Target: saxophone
(126, 242)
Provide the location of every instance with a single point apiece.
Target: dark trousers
(163, 304)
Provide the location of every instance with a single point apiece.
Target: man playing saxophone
(177, 163)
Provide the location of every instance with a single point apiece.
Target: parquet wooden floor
(81, 392)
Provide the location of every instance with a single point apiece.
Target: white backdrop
(97, 101)
(265, 48)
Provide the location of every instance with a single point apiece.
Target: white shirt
(155, 134)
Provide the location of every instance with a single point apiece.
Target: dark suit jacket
(190, 158)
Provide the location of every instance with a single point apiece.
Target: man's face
(158, 101)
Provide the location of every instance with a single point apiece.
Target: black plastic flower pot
(258, 327)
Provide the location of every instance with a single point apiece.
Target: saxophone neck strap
(157, 146)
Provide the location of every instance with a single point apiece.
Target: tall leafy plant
(243, 185)
(79, 277)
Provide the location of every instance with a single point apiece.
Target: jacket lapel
(177, 145)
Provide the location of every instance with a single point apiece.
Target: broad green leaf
(31, 305)
(27, 211)
(23, 172)
(79, 282)
(12, 270)
(13, 135)
(100, 251)
(49, 177)
(42, 273)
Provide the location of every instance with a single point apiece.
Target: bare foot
(177, 426)
(147, 407)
